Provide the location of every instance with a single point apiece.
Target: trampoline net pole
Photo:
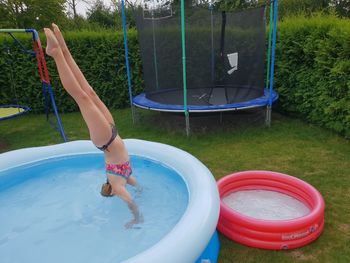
(273, 50)
(184, 75)
(268, 107)
(269, 46)
(127, 60)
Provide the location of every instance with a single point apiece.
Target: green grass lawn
(290, 146)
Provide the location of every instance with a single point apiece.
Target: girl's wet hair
(106, 190)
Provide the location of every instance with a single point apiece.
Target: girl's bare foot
(52, 46)
(59, 38)
(133, 222)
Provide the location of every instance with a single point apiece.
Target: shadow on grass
(201, 123)
(4, 145)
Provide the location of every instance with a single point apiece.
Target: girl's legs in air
(80, 76)
(99, 127)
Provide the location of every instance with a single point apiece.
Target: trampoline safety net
(225, 55)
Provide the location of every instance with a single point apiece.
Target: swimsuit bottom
(124, 169)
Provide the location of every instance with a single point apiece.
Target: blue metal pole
(34, 32)
(272, 71)
(127, 59)
(60, 126)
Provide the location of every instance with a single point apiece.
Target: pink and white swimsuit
(124, 169)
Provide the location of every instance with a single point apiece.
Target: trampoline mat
(206, 96)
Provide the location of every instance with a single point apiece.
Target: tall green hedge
(313, 70)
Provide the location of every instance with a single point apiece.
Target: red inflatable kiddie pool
(271, 234)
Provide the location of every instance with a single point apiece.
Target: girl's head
(106, 190)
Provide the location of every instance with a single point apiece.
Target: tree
(31, 13)
(72, 4)
(307, 7)
(229, 5)
(101, 15)
(116, 9)
(6, 19)
(342, 7)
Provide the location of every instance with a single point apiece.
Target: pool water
(52, 211)
(266, 205)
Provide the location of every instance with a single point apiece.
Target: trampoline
(11, 111)
(199, 59)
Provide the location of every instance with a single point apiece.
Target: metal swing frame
(38, 53)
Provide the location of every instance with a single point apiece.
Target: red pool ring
(271, 234)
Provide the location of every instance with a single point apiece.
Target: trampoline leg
(268, 116)
(187, 124)
(133, 114)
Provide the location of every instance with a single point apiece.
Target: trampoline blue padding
(142, 102)
(12, 111)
